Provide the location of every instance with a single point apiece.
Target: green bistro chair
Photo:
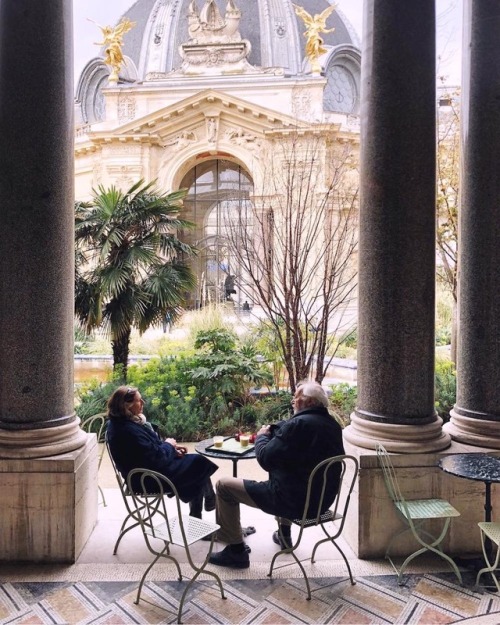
(162, 529)
(415, 513)
(489, 531)
(331, 521)
(97, 425)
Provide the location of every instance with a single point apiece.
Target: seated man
(289, 451)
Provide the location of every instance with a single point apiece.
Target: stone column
(475, 418)
(397, 231)
(37, 416)
(42, 502)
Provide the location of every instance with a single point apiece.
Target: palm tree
(131, 269)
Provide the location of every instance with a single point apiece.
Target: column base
(409, 439)
(48, 506)
(473, 431)
(42, 442)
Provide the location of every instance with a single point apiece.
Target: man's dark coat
(289, 454)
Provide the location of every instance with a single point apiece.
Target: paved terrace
(100, 588)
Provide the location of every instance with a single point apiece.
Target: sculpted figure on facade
(182, 140)
(212, 129)
(240, 137)
(113, 40)
(315, 25)
(208, 26)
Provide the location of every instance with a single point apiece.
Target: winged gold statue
(113, 40)
(315, 25)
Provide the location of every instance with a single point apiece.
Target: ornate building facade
(206, 91)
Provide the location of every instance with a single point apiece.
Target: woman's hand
(180, 451)
(171, 441)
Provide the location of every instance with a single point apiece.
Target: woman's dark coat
(135, 446)
(290, 453)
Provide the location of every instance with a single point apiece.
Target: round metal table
(201, 448)
(478, 467)
(481, 468)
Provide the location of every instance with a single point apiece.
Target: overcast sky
(109, 12)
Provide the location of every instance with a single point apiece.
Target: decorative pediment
(212, 104)
(208, 117)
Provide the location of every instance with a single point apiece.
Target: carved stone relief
(124, 176)
(126, 108)
(239, 137)
(301, 103)
(182, 140)
(212, 129)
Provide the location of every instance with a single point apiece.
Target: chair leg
(292, 553)
(123, 532)
(434, 547)
(102, 497)
(201, 569)
(491, 568)
(198, 571)
(143, 578)
(331, 539)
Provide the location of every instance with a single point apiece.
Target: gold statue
(315, 26)
(113, 40)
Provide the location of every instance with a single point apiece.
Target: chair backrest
(122, 484)
(390, 479)
(96, 424)
(320, 478)
(151, 510)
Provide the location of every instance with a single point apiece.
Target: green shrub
(445, 388)
(92, 398)
(343, 401)
(443, 336)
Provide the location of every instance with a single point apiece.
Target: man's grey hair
(315, 391)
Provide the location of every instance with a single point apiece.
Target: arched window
(218, 203)
(343, 73)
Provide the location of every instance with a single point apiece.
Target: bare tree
(295, 245)
(448, 179)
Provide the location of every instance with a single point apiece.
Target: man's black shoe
(209, 537)
(284, 543)
(227, 557)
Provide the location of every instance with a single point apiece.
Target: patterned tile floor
(424, 600)
(101, 588)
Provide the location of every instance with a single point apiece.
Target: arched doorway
(218, 198)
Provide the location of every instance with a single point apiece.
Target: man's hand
(265, 429)
(171, 441)
(180, 451)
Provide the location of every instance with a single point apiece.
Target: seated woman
(134, 444)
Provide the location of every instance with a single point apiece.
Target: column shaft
(36, 237)
(397, 230)
(476, 416)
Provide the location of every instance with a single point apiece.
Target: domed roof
(271, 26)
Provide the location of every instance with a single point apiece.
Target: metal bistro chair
(170, 529)
(132, 519)
(414, 513)
(490, 530)
(332, 521)
(97, 425)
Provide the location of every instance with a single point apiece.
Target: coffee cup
(244, 440)
(218, 440)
